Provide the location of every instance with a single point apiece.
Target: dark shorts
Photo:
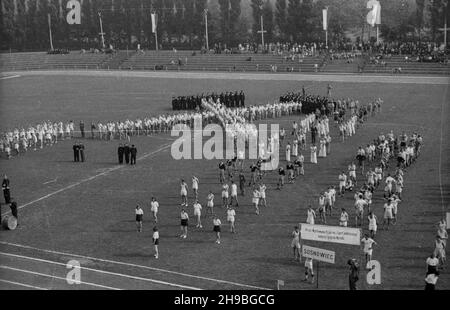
(216, 228)
(138, 218)
(184, 222)
(156, 242)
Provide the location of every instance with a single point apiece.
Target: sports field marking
(23, 284)
(51, 181)
(165, 146)
(104, 272)
(55, 277)
(135, 265)
(9, 77)
(356, 78)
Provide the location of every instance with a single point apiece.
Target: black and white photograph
(238, 147)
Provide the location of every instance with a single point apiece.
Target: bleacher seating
(169, 60)
(195, 61)
(407, 67)
(42, 60)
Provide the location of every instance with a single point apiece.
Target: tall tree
(268, 21)
(281, 19)
(294, 20)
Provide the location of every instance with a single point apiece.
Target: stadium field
(85, 211)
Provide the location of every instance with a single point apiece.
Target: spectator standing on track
(120, 153)
(14, 210)
(81, 148)
(92, 130)
(6, 189)
(82, 128)
(76, 152)
(353, 277)
(126, 151)
(133, 153)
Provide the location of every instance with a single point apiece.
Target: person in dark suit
(82, 128)
(126, 151)
(5, 187)
(120, 152)
(14, 209)
(76, 152)
(81, 147)
(133, 152)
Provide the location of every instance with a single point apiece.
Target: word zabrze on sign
(334, 234)
(318, 254)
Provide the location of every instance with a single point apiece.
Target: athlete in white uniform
(198, 213)
(154, 206)
(210, 203)
(195, 186)
(368, 248)
(295, 244)
(183, 192)
(231, 217)
(311, 216)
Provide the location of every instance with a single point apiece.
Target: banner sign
(318, 254)
(325, 24)
(334, 234)
(448, 220)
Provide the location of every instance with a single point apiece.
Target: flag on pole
(374, 15)
(153, 22)
(279, 284)
(325, 20)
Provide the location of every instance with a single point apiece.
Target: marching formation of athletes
(375, 174)
(228, 99)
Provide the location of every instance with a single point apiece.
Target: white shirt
(233, 189)
(311, 215)
(217, 222)
(197, 208)
(367, 243)
(139, 211)
(156, 235)
(194, 183)
(154, 205)
(231, 214)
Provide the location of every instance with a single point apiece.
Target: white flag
(153, 22)
(374, 15)
(325, 20)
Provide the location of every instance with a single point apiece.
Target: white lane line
(9, 77)
(58, 278)
(165, 146)
(104, 272)
(24, 285)
(137, 266)
(409, 79)
(51, 181)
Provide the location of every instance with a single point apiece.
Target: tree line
(181, 23)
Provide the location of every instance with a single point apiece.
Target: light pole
(206, 29)
(101, 29)
(50, 31)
